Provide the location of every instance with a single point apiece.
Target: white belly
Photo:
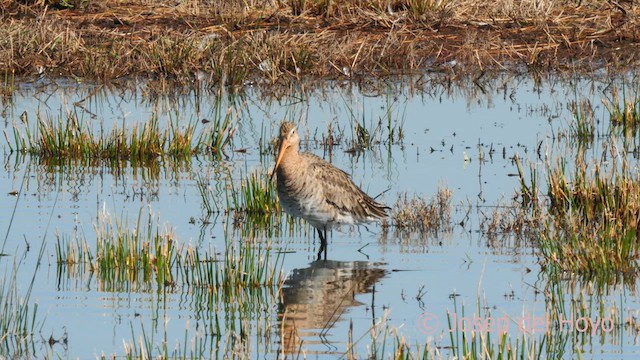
(316, 211)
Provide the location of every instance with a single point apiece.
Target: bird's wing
(340, 191)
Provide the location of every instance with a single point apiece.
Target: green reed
(482, 334)
(387, 128)
(123, 256)
(394, 119)
(529, 191)
(18, 314)
(624, 110)
(182, 143)
(68, 136)
(583, 127)
(208, 196)
(72, 253)
(218, 132)
(134, 256)
(252, 205)
(257, 209)
(241, 269)
(144, 256)
(592, 228)
(257, 195)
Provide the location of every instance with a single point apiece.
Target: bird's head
(288, 141)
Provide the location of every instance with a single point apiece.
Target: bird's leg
(323, 243)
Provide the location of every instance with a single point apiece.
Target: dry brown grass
(511, 220)
(588, 222)
(595, 215)
(417, 215)
(279, 41)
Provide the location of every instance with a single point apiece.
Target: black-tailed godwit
(313, 189)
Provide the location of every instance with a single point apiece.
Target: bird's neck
(290, 160)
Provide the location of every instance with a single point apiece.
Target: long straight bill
(283, 145)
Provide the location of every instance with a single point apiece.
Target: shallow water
(460, 136)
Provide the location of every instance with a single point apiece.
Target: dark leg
(323, 243)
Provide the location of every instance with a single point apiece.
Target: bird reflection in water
(314, 299)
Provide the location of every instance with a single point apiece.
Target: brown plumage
(315, 190)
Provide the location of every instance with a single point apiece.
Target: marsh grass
(124, 258)
(231, 291)
(144, 346)
(252, 205)
(419, 9)
(593, 225)
(68, 136)
(218, 132)
(240, 42)
(9, 86)
(584, 213)
(257, 212)
(482, 339)
(624, 110)
(583, 127)
(529, 190)
(386, 342)
(135, 256)
(19, 322)
(144, 257)
(587, 224)
(387, 129)
(210, 200)
(417, 215)
(75, 254)
(199, 342)
(181, 143)
(257, 196)
(509, 221)
(245, 274)
(571, 317)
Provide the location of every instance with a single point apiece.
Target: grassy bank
(233, 42)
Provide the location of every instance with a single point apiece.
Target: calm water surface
(462, 137)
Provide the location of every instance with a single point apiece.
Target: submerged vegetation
(417, 215)
(593, 222)
(19, 318)
(588, 221)
(242, 281)
(577, 210)
(624, 111)
(387, 129)
(579, 202)
(70, 137)
(136, 259)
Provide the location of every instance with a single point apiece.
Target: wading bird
(320, 193)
